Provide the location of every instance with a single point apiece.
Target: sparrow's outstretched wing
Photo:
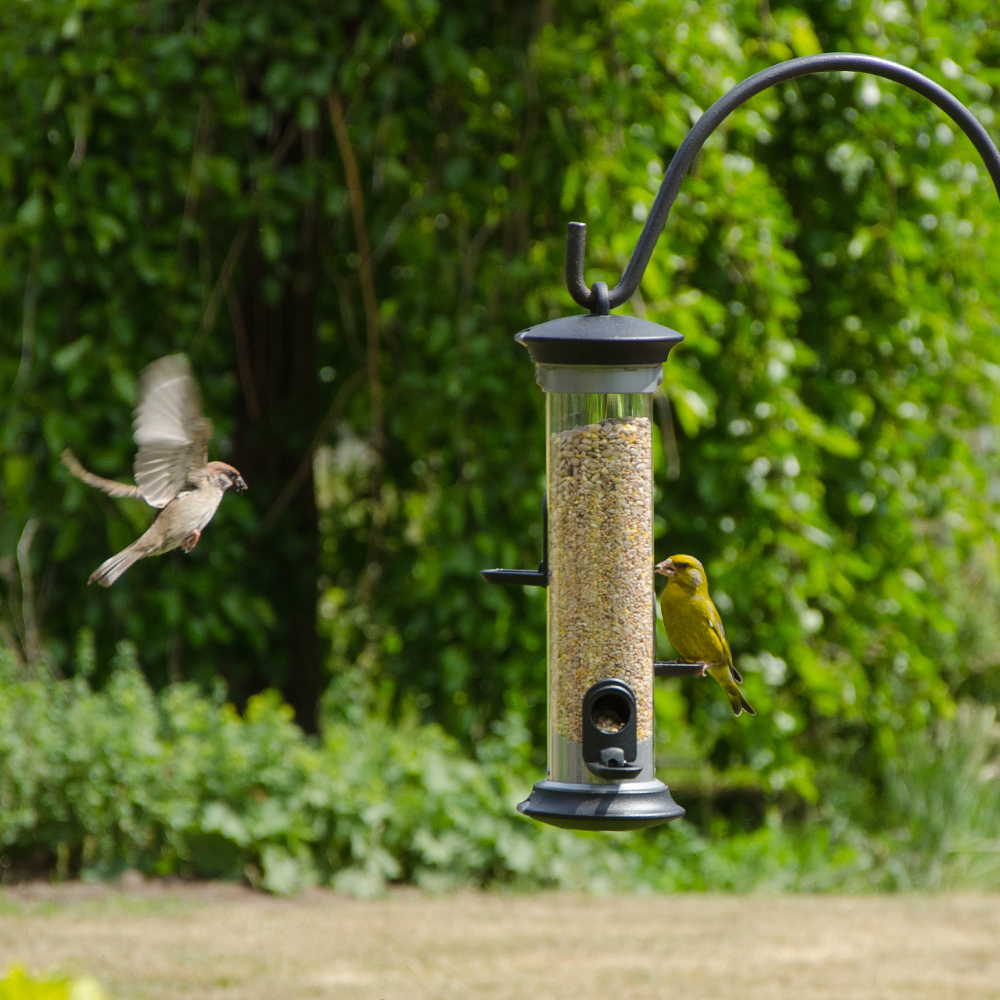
(170, 431)
(109, 486)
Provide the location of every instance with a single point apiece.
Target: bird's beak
(240, 485)
(666, 568)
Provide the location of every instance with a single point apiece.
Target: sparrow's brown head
(225, 475)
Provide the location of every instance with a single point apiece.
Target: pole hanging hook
(599, 299)
(825, 62)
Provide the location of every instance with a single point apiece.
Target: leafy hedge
(176, 783)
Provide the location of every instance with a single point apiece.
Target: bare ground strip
(212, 942)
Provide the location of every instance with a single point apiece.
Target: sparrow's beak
(666, 568)
(240, 485)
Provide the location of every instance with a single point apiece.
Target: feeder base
(631, 806)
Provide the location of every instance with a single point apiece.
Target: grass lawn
(210, 942)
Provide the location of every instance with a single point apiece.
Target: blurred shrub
(941, 796)
(17, 985)
(176, 783)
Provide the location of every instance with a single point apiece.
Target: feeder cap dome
(598, 340)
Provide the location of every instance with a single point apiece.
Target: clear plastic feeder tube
(600, 613)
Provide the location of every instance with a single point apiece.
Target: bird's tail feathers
(112, 568)
(739, 703)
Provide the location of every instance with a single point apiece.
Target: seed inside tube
(609, 721)
(600, 567)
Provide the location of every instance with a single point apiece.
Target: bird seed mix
(600, 566)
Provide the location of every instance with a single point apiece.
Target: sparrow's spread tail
(112, 568)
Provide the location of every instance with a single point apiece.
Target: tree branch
(486, 230)
(239, 240)
(388, 241)
(28, 316)
(225, 272)
(242, 351)
(194, 180)
(343, 286)
(302, 472)
(32, 646)
(668, 436)
(370, 302)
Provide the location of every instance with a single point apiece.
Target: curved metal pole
(600, 300)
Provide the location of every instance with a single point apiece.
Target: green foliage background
(179, 784)
(829, 447)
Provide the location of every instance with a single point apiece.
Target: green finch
(694, 627)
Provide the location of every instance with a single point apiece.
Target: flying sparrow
(172, 470)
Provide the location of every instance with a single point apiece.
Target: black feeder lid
(598, 340)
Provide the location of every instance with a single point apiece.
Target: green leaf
(106, 230)
(53, 94)
(32, 212)
(270, 241)
(284, 874)
(70, 356)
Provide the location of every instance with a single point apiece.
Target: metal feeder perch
(598, 373)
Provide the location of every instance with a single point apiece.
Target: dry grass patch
(212, 942)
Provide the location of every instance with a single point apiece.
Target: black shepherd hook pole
(600, 300)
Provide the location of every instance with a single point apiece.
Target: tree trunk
(282, 349)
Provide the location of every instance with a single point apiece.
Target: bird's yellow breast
(688, 618)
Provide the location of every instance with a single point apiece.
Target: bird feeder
(598, 373)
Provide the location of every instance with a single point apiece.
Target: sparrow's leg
(191, 541)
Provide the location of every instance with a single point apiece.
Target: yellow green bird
(694, 627)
